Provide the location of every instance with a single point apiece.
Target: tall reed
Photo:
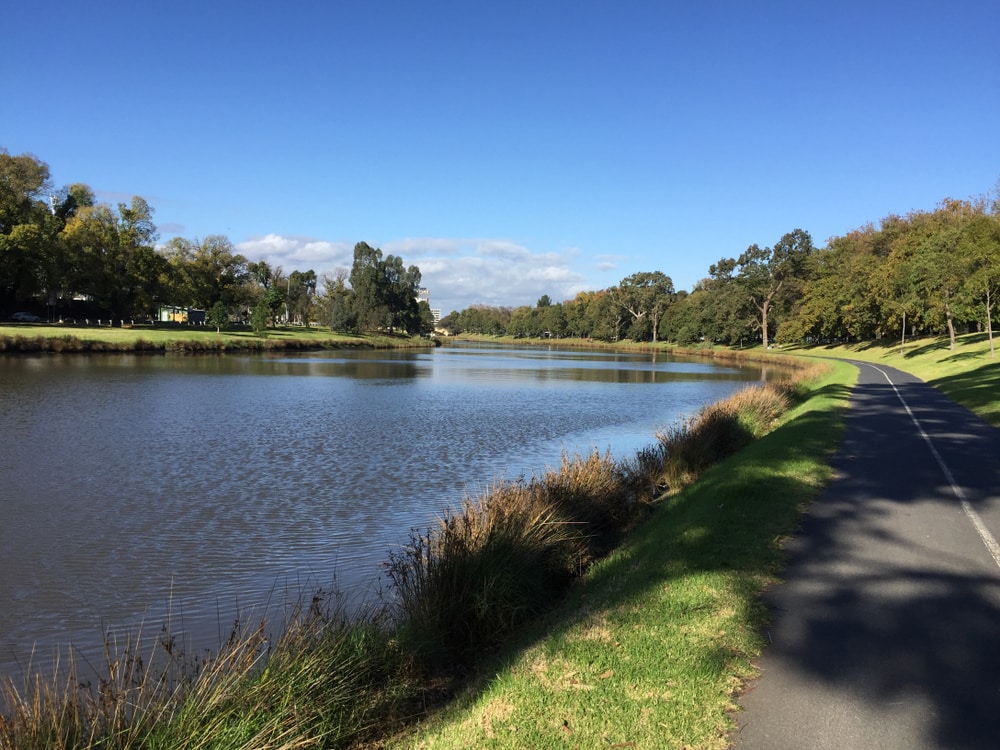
(328, 680)
(719, 430)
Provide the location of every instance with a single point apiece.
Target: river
(136, 488)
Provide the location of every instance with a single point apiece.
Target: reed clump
(457, 592)
(719, 430)
(328, 680)
(504, 557)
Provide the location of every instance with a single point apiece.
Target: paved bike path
(886, 629)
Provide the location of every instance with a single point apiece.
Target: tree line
(927, 272)
(921, 273)
(67, 255)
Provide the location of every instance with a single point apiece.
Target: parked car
(25, 317)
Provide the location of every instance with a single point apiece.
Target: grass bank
(969, 374)
(653, 642)
(20, 338)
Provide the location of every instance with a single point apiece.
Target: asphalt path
(886, 628)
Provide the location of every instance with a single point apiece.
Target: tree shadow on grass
(978, 389)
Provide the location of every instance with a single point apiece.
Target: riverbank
(21, 339)
(458, 594)
(645, 650)
(721, 354)
(651, 646)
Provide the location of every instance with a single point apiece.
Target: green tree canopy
(384, 292)
(646, 297)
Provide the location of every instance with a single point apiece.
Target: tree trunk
(951, 326)
(989, 323)
(763, 321)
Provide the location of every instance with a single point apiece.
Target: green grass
(60, 338)
(968, 375)
(652, 644)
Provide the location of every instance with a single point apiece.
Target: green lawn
(19, 336)
(968, 375)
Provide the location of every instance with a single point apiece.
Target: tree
(688, 321)
(301, 292)
(114, 256)
(401, 286)
(426, 318)
(24, 180)
(368, 288)
(839, 300)
(27, 228)
(207, 271)
(261, 272)
(269, 292)
(939, 264)
(482, 319)
(646, 296)
(981, 244)
(259, 317)
(218, 316)
(384, 292)
(770, 278)
(336, 310)
(68, 200)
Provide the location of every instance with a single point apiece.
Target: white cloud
(607, 262)
(298, 253)
(457, 272)
(462, 272)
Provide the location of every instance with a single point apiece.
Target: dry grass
(720, 430)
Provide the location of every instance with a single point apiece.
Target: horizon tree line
(924, 272)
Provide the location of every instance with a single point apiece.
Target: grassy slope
(967, 375)
(649, 648)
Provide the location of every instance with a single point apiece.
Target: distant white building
(424, 296)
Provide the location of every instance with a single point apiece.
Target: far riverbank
(68, 339)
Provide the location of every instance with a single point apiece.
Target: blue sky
(509, 149)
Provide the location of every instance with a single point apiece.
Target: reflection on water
(133, 484)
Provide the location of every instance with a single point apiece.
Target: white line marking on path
(984, 533)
